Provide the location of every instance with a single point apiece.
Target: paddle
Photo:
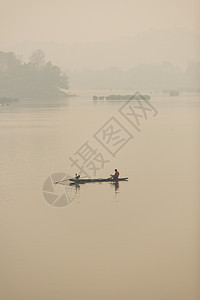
(66, 180)
(60, 181)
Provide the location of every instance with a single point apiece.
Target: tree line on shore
(38, 78)
(33, 79)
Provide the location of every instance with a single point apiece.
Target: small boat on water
(88, 180)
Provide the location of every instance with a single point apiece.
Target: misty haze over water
(158, 59)
(129, 240)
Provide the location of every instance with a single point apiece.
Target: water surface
(134, 240)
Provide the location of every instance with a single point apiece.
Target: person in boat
(77, 176)
(116, 175)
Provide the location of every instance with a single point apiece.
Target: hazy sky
(66, 21)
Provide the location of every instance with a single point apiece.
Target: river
(132, 240)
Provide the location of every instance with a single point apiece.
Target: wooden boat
(88, 180)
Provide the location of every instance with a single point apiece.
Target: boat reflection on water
(77, 186)
(78, 183)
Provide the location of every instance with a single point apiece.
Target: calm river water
(133, 240)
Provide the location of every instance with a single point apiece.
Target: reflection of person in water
(116, 186)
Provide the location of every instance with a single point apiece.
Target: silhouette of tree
(33, 79)
(37, 58)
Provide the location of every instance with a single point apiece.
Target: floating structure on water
(123, 97)
(7, 100)
(174, 93)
